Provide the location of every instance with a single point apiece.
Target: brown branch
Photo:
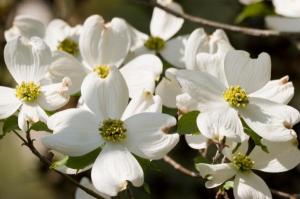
(179, 167)
(29, 143)
(285, 195)
(215, 24)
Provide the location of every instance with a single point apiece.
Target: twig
(215, 24)
(285, 195)
(29, 143)
(179, 167)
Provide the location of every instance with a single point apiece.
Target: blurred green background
(23, 177)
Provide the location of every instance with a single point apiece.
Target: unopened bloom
(246, 183)
(108, 122)
(223, 103)
(28, 61)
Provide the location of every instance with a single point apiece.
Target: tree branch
(215, 24)
(29, 143)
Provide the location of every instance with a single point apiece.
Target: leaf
(254, 136)
(9, 125)
(187, 123)
(147, 188)
(40, 126)
(200, 159)
(81, 162)
(59, 163)
(228, 185)
(254, 10)
(147, 164)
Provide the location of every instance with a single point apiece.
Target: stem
(202, 21)
(29, 143)
(179, 167)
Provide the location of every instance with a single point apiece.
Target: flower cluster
(124, 79)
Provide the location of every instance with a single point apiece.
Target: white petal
(250, 186)
(197, 41)
(282, 156)
(31, 113)
(106, 97)
(250, 74)
(146, 135)
(280, 91)
(204, 88)
(27, 60)
(25, 26)
(113, 168)
(270, 120)
(248, 2)
(145, 102)
(75, 132)
(174, 51)
(104, 44)
(54, 96)
(287, 8)
(221, 122)
(283, 24)
(168, 88)
(136, 84)
(65, 65)
(218, 173)
(186, 103)
(9, 104)
(146, 62)
(196, 141)
(137, 38)
(80, 194)
(165, 25)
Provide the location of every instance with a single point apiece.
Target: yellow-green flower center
(113, 130)
(155, 43)
(242, 162)
(102, 71)
(69, 45)
(236, 97)
(28, 91)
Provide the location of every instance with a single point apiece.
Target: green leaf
(187, 123)
(147, 188)
(147, 164)
(81, 162)
(228, 185)
(40, 126)
(59, 163)
(9, 125)
(200, 159)
(254, 136)
(254, 10)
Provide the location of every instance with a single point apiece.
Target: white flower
(163, 27)
(118, 130)
(63, 41)
(28, 61)
(221, 105)
(108, 45)
(284, 24)
(246, 183)
(202, 52)
(248, 2)
(287, 8)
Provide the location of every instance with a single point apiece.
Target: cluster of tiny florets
(113, 130)
(28, 91)
(236, 97)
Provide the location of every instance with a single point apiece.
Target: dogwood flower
(108, 45)
(28, 61)
(202, 52)
(107, 123)
(163, 27)
(62, 39)
(287, 8)
(246, 183)
(222, 104)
